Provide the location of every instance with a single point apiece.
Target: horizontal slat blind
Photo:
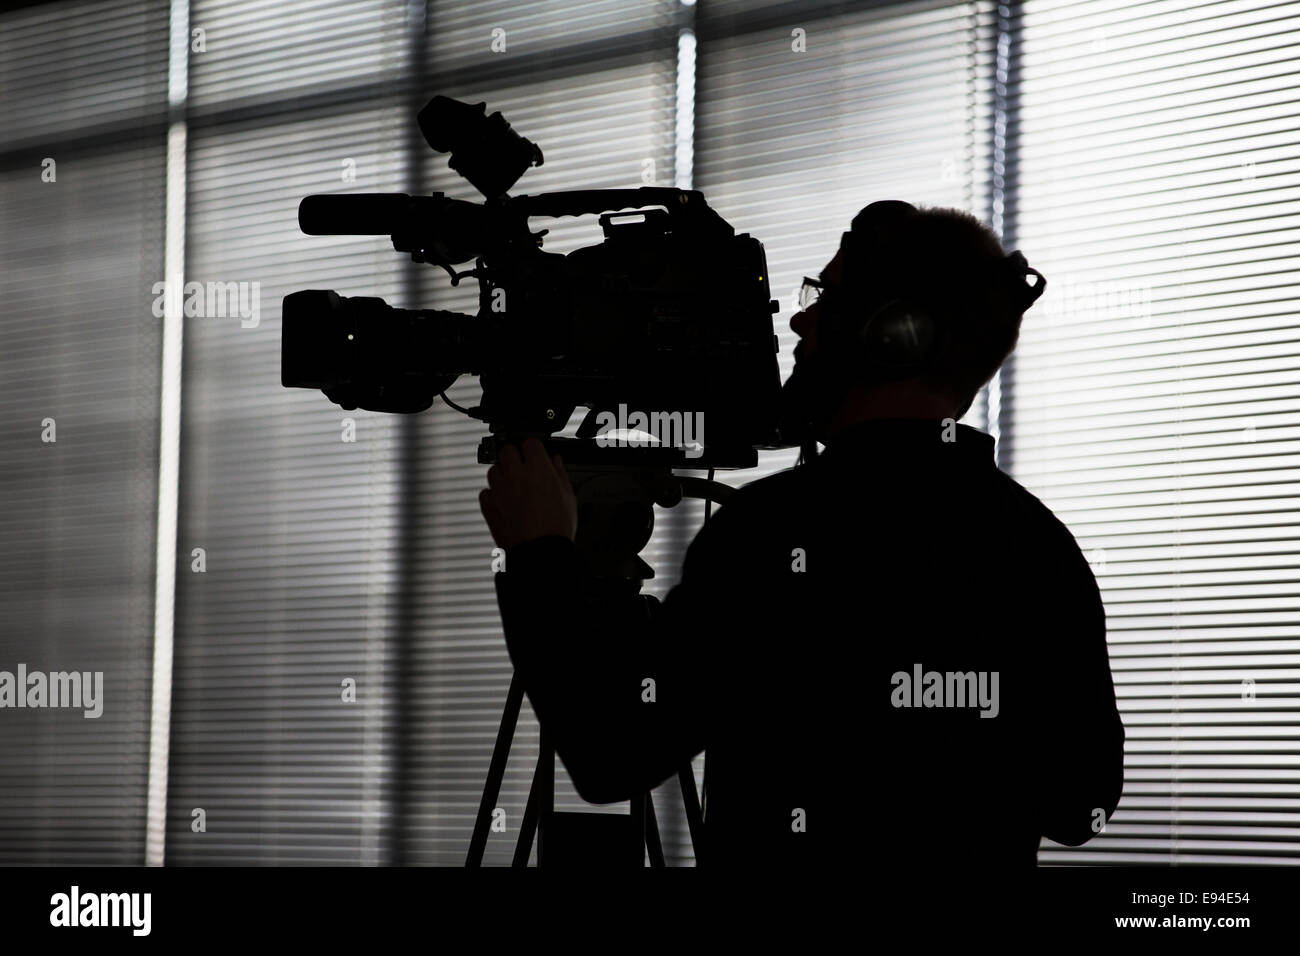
(886, 103)
(71, 70)
(597, 124)
(299, 526)
(80, 365)
(1155, 395)
(256, 52)
(789, 145)
(510, 32)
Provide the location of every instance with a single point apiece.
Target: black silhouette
(814, 603)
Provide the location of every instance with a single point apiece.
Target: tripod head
(617, 489)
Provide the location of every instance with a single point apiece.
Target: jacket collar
(915, 435)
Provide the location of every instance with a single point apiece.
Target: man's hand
(528, 496)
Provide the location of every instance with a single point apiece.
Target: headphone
(900, 337)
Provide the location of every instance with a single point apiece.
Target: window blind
(592, 85)
(783, 149)
(807, 114)
(754, 98)
(81, 199)
(1154, 396)
(311, 585)
(1149, 176)
(293, 501)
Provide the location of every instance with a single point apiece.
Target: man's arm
(1079, 743)
(621, 686)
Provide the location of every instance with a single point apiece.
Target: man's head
(940, 263)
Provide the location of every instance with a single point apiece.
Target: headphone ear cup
(899, 335)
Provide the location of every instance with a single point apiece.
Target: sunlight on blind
(1155, 396)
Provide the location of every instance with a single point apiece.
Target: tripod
(540, 816)
(604, 493)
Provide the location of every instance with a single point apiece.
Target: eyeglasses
(811, 291)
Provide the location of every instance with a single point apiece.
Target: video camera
(671, 313)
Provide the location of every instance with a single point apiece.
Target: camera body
(670, 313)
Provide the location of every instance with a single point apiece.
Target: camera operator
(893, 653)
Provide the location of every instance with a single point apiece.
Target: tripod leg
(541, 802)
(544, 780)
(496, 772)
(637, 812)
(694, 818)
(652, 842)
(525, 844)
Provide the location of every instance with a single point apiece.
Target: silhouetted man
(894, 654)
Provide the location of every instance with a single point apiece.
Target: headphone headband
(882, 212)
(872, 226)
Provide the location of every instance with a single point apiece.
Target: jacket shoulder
(1041, 522)
(749, 513)
(1032, 508)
